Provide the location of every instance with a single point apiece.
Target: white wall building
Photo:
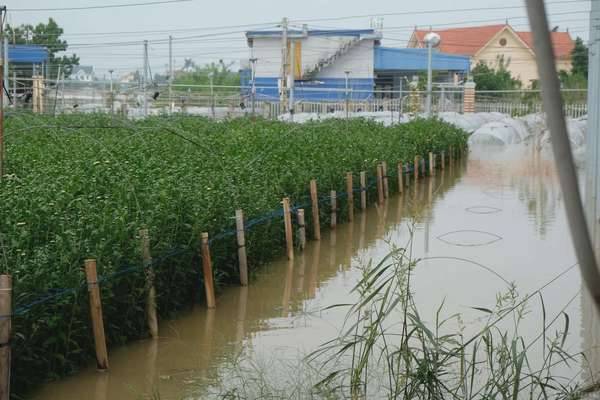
(321, 60)
(83, 73)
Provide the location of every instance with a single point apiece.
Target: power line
(150, 3)
(451, 10)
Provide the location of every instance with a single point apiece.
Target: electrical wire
(103, 6)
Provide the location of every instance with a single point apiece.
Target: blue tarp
(407, 59)
(333, 89)
(24, 53)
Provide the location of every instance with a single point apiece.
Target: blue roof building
(27, 54)
(324, 60)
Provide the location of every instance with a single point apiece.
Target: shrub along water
(82, 186)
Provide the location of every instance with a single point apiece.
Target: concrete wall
(329, 83)
(359, 60)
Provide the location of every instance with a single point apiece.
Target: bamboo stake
(386, 186)
(431, 164)
(151, 298)
(241, 241)
(301, 229)
(287, 220)
(96, 313)
(5, 327)
(400, 177)
(416, 169)
(363, 190)
(380, 184)
(315, 209)
(207, 271)
(333, 209)
(443, 159)
(350, 191)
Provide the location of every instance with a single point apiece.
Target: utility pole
(6, 74)
(284, 64)
(253, 89)
(112, 96)
(347, 75)
(212, 94)
(171, 104)
(145, 79)
(592, 163)
(292, 77)
(582, 232)
(4, 60)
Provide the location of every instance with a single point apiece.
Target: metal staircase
(311, 72)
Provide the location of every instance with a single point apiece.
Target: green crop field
(82, 186)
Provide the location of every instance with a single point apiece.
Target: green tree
(49, 36)
(579, 58)
(222, 75)
(499, 78)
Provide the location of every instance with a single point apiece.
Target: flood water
(488, 220)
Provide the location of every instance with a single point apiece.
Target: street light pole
(429, 77)
(432, 40)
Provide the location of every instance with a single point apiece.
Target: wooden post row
(416, 168)
(333, 209)
(431, 163)
(363, 190)
(241, 241)
(91, 276)
(350, 191)
(287, 220)
(386, 186)
(314, 196)
(380, 184)
(151, 297)
(5, 327)
(400, 177)
(301, 229)
(209, 285)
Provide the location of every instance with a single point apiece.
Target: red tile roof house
(487, 43)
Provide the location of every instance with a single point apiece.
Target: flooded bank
(477, 226)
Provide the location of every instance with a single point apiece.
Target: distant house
(130, 77)
(488, 43)
(83, 73)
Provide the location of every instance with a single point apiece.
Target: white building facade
(325, 63)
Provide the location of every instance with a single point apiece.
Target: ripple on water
(483, 210)
(469, 238)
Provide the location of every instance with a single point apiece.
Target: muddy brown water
(500, 210)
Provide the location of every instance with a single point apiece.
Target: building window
(503, 42)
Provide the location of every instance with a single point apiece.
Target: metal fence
(135, 101)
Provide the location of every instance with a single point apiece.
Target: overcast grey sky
(103, 37)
